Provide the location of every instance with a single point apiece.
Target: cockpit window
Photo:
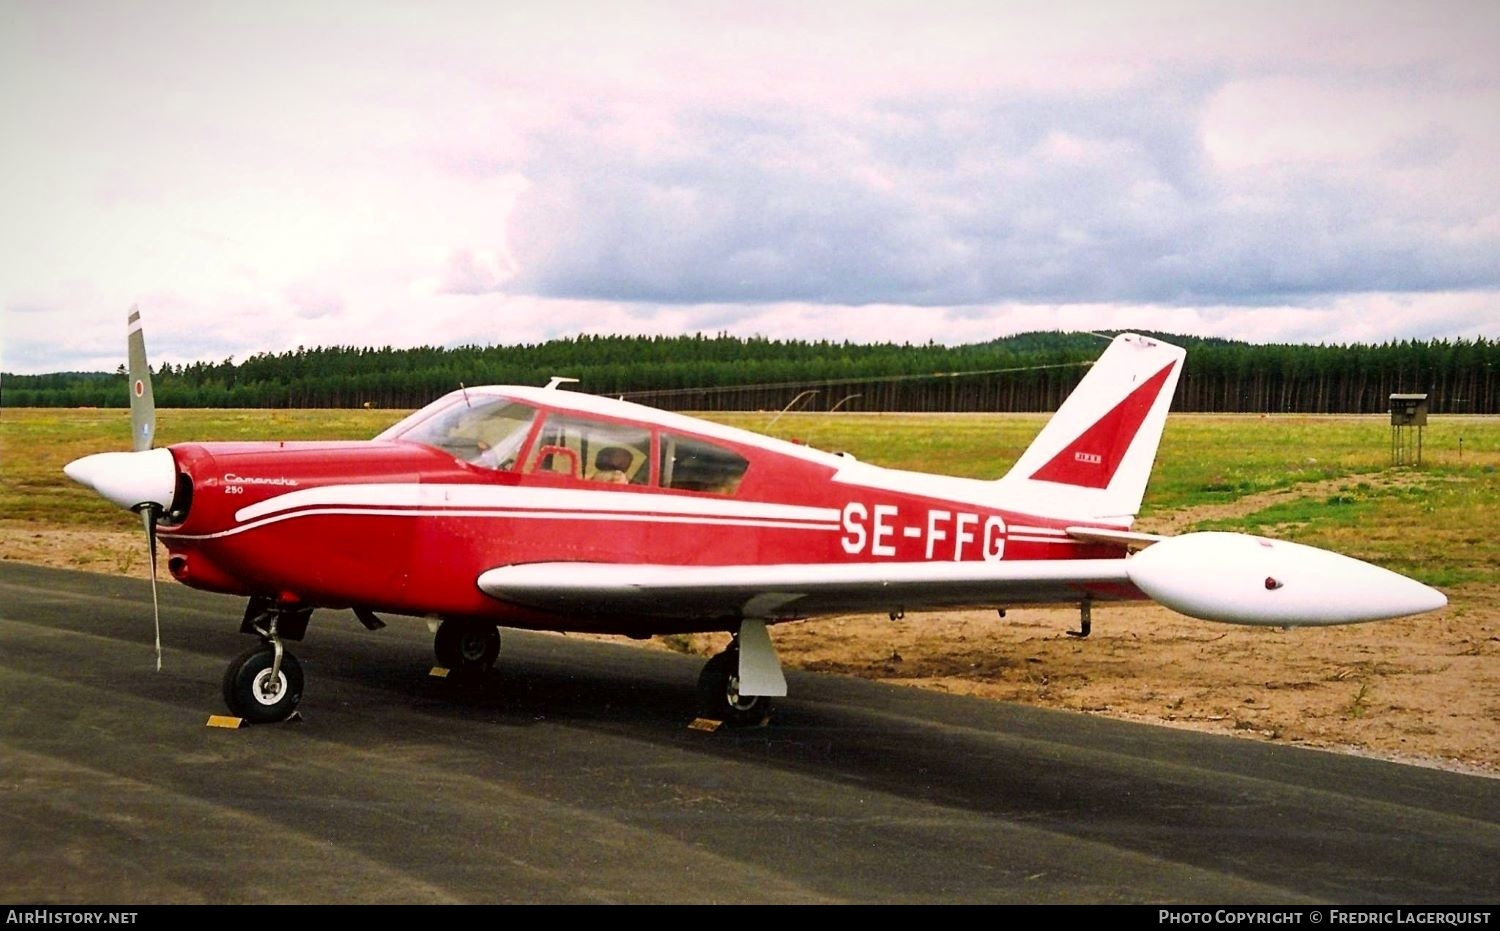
(489, 432)
(697, 465)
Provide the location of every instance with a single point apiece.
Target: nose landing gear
(264, 684)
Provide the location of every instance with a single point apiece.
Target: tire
(718, 692)
(466, 646)
(246, 684)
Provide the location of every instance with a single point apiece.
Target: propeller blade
(142, 402)
(148, 517)
(142, 432)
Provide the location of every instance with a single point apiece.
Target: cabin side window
(691, 464)
(592, 450)
(489, 432)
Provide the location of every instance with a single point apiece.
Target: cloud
(311, 300)
(1152, 192)
(469, 272)
(511, 172)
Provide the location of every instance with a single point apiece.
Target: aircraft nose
(129, 479)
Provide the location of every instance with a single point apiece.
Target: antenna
(466, 395)
(793, 403)
(847, 397)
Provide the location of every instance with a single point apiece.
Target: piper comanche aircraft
(548, 509)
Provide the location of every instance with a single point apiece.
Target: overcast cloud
(262, 176)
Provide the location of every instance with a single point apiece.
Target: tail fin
(1093, 458)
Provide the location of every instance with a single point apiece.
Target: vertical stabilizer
(1093, 458)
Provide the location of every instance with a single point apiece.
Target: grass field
(1437, 522)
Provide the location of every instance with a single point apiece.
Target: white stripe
(495, 513)
(409, 494)
(1038, 531)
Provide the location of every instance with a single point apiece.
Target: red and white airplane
(555, 510)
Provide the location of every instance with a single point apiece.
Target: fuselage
(529, 507)
(407, 522)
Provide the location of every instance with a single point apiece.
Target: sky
(259, 176)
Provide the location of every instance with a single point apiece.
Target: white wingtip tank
(1243, 579)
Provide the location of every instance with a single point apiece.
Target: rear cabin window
(691, 464)
(592, 450)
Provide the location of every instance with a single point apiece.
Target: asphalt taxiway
(571, 776)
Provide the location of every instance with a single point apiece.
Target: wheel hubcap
(737, 701)
(472, 648)
(266, 690)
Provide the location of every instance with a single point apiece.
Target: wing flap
(780, 592)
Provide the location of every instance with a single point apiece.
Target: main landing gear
(737, 685)
(719, 691)
(466, 647)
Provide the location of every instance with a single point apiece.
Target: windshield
(489, 432)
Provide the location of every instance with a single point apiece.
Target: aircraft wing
(779, 592)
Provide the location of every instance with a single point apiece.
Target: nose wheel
(263, 687)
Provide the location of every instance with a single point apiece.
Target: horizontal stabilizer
(1128, 538)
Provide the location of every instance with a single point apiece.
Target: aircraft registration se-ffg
(550, 509)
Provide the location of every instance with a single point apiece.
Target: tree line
(1028, 372)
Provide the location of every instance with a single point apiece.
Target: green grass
(35, 444)
(1215, 458)
(1437, 522)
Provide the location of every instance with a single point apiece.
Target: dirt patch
(1420, 690)
(108, 551)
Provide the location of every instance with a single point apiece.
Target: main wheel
(467, 646)
(719, 692)
(252, 694)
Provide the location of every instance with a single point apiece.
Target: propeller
(145, 480)
(142, 432)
